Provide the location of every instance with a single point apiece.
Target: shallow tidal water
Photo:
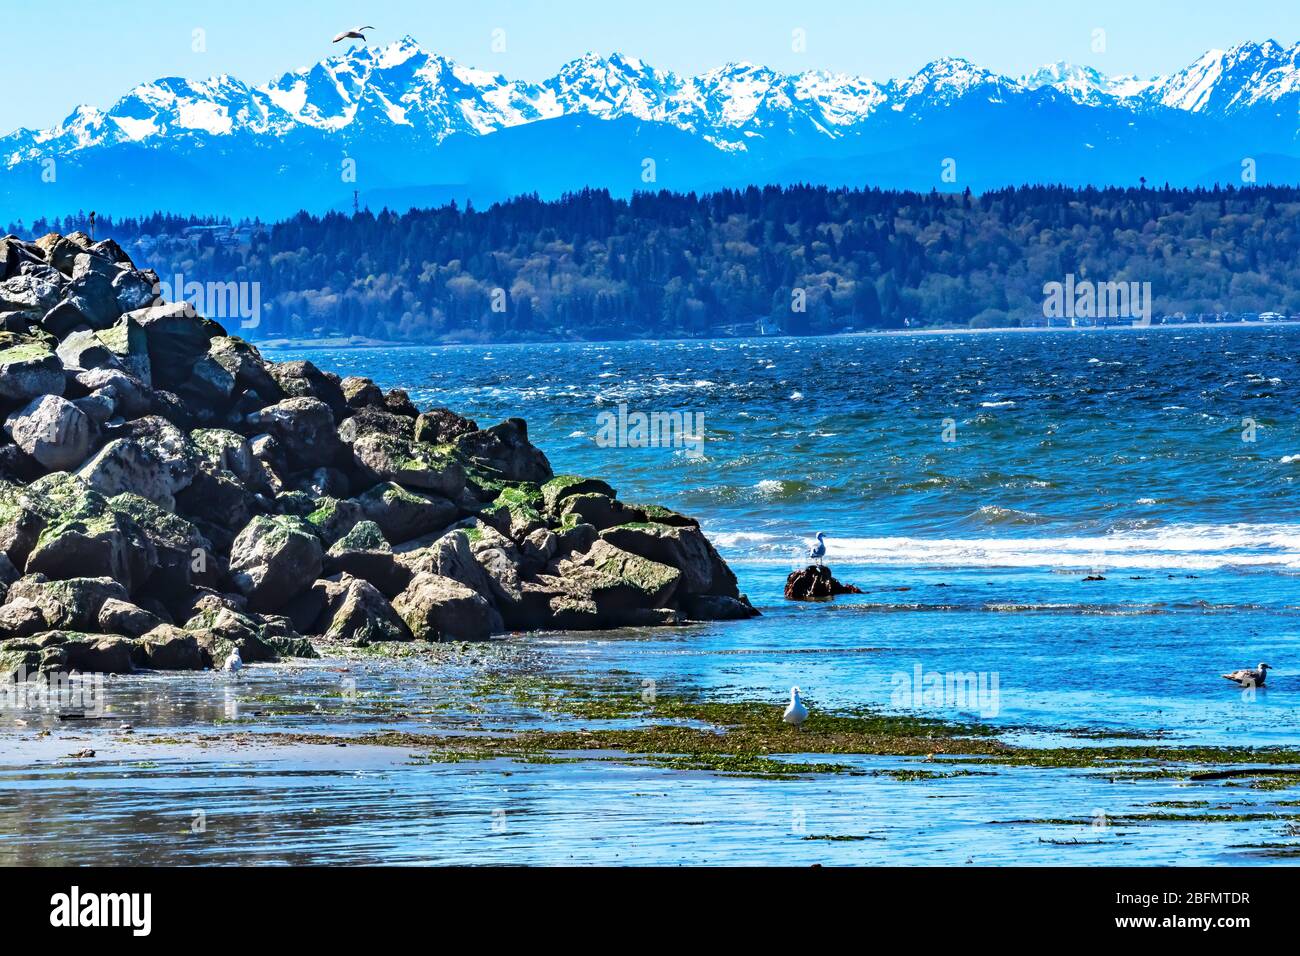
(1097, 545)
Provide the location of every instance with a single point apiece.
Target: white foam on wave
(1176, 547)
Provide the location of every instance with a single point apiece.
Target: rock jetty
(167, 494)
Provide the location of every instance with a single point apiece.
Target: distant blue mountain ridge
(403, 127)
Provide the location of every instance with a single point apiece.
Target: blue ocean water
(1098, 542)
(970, 484)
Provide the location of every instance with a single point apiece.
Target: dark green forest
(800, 260)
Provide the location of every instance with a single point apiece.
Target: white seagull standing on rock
(234, 663)
(354, 34)
(797, 712)
(1249, 677)
(818, 550)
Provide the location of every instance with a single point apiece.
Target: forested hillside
(663, 264)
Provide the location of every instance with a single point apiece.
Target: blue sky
(88, 51)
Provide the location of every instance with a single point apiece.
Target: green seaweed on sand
(741, 765)
(912, 774)
(677, 729)
(1128, 819)
(841, 837)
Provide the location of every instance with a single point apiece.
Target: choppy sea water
(1102, 522)
(1165, 461)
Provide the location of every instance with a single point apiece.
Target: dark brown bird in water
(1249, 677)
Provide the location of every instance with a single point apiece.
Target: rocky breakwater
(166, 494)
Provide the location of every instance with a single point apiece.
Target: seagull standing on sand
(797, 712)
(234, 663)
(1249, 677)
(354, 34)
(818, 550)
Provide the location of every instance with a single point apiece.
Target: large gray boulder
(437, 608)
(303, 427)
(598, 510)
(221, 449)
(81, 535)
(505, 448)
(451, 556)
(441, 426)
(28, 369)
(122, 617)
(131, 397)
(245, 363)
(175, 338)
(184, 557)
(413, 464)
(122, 346)
(565, 486)
(169, 648)
(34, 288)
(53, 431)
(358, 613)
(301, 379)
(73, 603)
(403, 514)
(273, 560)
(606, 587)
(90, 653)
(365, 553)
(155, 460)
(685, 548)
(372, 420)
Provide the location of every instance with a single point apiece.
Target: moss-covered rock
(403, 514)
(333, 518)
(599, 510)
(28, 369)
(438, 608)
(273, 560)
(563, 486)
(703, 571)
(184, 558)
(357, 613)
(429, 468)
(71, 603)
(365, 553)
(440, 426)
(81, 535)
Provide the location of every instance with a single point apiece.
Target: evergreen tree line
(800, 260)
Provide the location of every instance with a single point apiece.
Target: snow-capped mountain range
(415, 116)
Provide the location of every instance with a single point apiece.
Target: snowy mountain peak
(400, 84)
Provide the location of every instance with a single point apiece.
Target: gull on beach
(354, 34)
(1249, 677)
(818, 550)
(797, 712)
(234, 663)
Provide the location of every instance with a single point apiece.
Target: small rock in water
(815, 581)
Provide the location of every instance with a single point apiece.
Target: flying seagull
(234, 663)
(818, 550)
(1249, 677)
(354, 34)
(797, 712)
